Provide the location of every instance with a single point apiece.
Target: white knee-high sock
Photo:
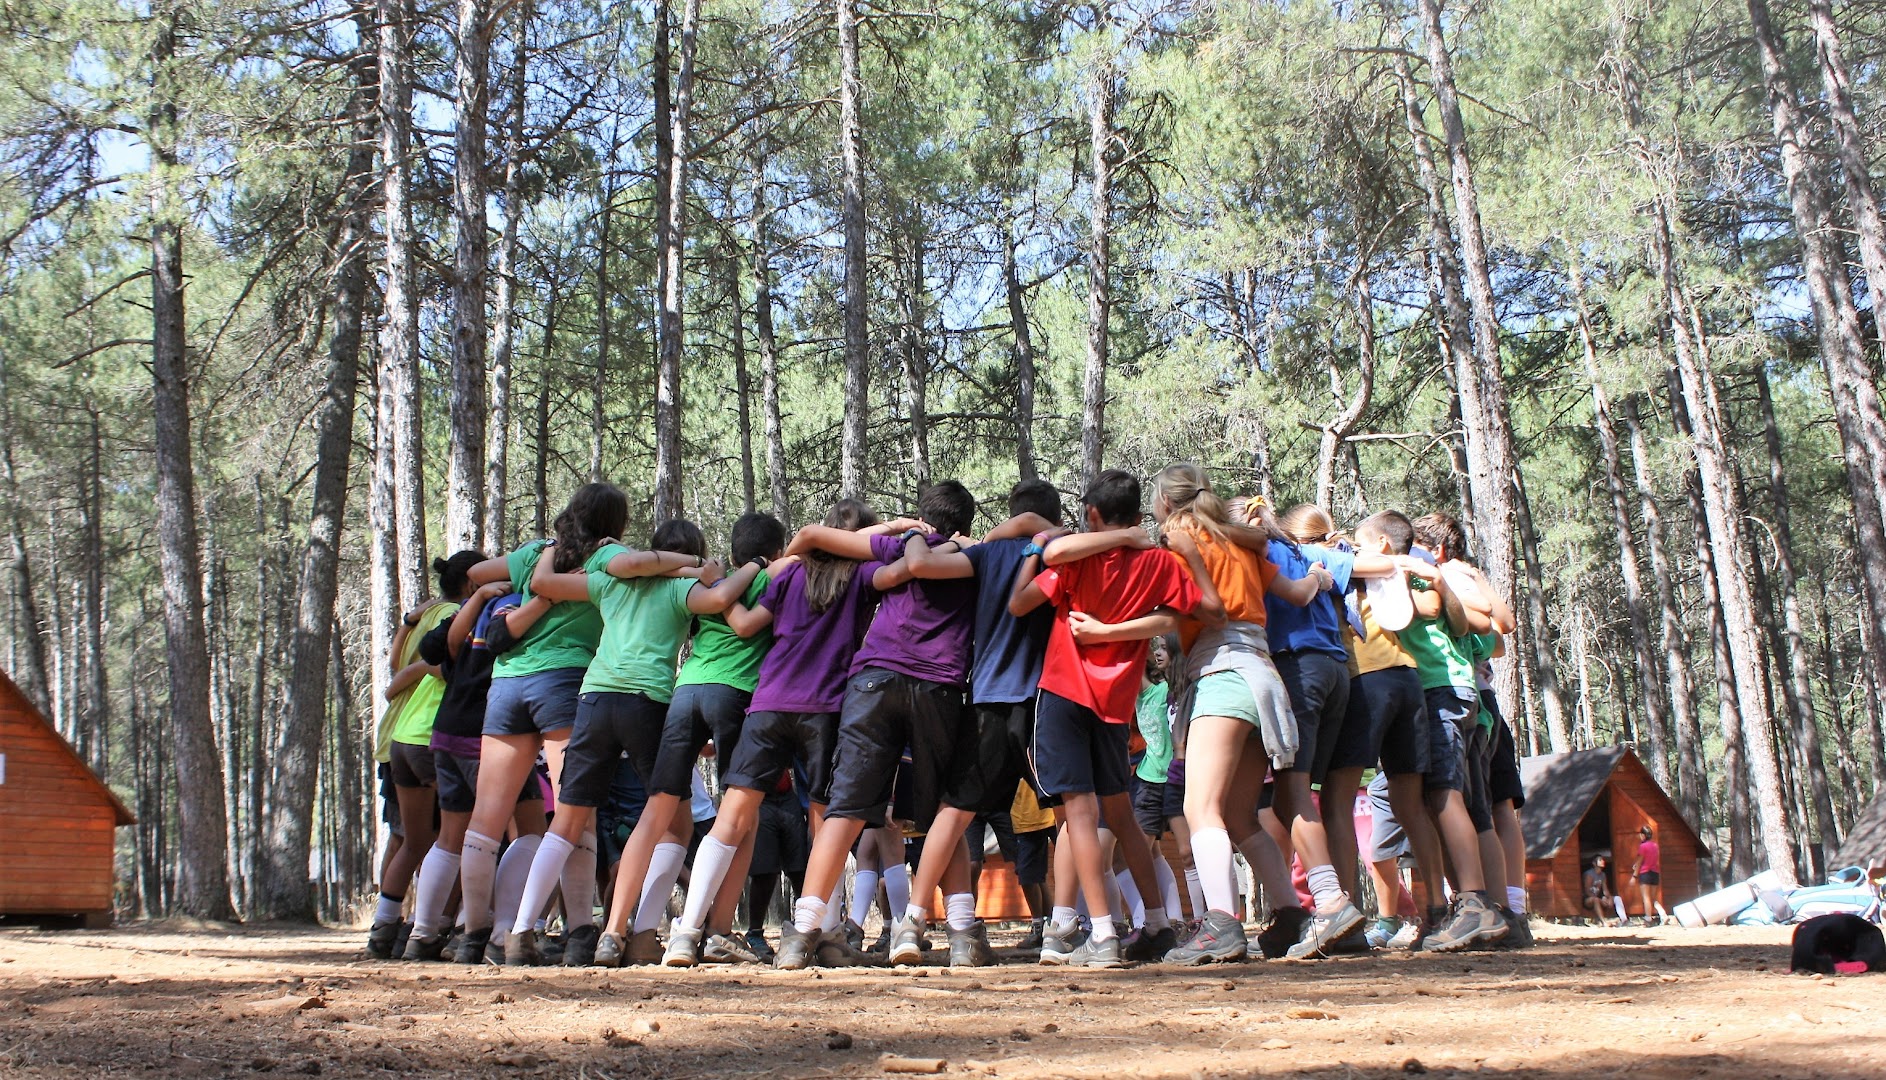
(1618, 902)
(1132, 904)
(478, 866)
(579, 884)
(1168, 887)
(434, 888)
(711, 864)
(1116, 905)
(513, 872)
(1194, 892)
(864, 893)
(897, 886)
(545, 869)
(664, 869)
(1217, 878)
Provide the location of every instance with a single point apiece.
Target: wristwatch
(908, 533)
(1032, 548)
(762, 560)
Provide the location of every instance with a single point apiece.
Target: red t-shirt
(1114, 586)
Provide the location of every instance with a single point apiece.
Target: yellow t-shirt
(408, 717)
(1027, 815)
(1379, 651)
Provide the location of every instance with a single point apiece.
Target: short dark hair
(1114, 494)
(679, 535)
(1393, 524)
(756, 536)
(1035, 497)
(1440, 532)
(948, 507)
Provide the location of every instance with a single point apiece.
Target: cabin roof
(1865, 844)
(12, 696)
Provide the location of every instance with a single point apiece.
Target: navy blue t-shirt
(1318, 627)
(1007, 664)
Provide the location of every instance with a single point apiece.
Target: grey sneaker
(796, 948)
(1381, 932)
(1058, 943)
(1097, 954)
(1518, 930)
(1219, 939)
(907, 943)
(523, 950)
(683, 945)
(834, 951)
(610, 949)
(1473, 922)
(579, 946)
(970, 948)
(723, 949)
(1323, 931)
(644, 948)
(854, 935)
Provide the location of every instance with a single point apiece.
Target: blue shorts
(1076, 752)
(1318, 684)
(533, 704)
(1390, 708)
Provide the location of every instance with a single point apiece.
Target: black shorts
(697, 713)
(1452, 714)
(609, 725)
(1392, 708)
(1505, 784)
(977, 836)
(1479, 742)
(1318, 684)
(1650, 877)
(992, 758)
(885, 712)
(782, 842)
(1175, 789)
(1076, 752)
(1031, 857)
(411, 765)
(771, 742)
(389, 802)
(1149, 807)
(457, 776)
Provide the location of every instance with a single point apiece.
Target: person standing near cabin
(1647, 871)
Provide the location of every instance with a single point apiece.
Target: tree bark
(1344, 422)
(31, 674)
(742, 384)
(672, 240)
(504, 312)
(772, 425)
(540, 467)
(857, 329)
(1849, 143)
(203, 825)
(599, 384)
(94, 697)
(465, 478)
(916, 365)
(399, 337)
(1024, 359)
(1100, 92)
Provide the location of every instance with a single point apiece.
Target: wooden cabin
(58, 821)
(1588, 802)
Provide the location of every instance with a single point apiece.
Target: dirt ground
(1587, 1002)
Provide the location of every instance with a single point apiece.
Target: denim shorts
(533, 704)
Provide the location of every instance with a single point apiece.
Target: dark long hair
(597, 512)
(827, 576)
(455, 573)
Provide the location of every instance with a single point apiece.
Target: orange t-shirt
(1240, 575)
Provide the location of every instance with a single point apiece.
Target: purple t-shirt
(924, 628)
(806, 668)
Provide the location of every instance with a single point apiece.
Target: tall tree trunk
(202, 877)
(1849, 143)
(540, 466)
(31, 674)
(1100, 139)
(672, 241)
(1543, 656)
(772, 425)
(94, 683)
(1794, 657)
(465, 479)
(1024, 358)
(504, 313)
(857, 329)
(605, 296)
(399, 403)
(742, 385)
(282, 892)
(916, 366)
(1350, 411)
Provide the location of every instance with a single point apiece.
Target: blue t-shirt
(1007, 664)
(1318, 627)
(923, 627)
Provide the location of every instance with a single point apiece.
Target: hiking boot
(1473, 922)
(1431, 923)
(609, 951)
(1032, 943)
(1285, 929)
(1381, 932)
(1058, 942)
(1097, 954)
(1148, 946)
(683, 946)
(833, 950)
(854, 935)
(722, 949)
(1324, 930)
(523, 950)
(382, 937)
(796, 948)
(970, 948)
(424, 948)
(579, 946)
(644, 948)
(907, 943)
(1352, 945)
(756, 944)
(1518, 930)
(1219, 939)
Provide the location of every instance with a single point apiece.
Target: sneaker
(1381, 932)
(644, 948)
(1032, 943)
(1149, 946)
(906, 948)
(970, 948)
(1285, 929)
(683, 946)
(1058, 943)
(1408, 937)
(756, 944)
(424, 948)
(579, 946)
(1324, 930)
(1518, 930)
(796, 948)
(1219, 939)
(1097, 954)
(382, 937)
(722, 949)
(834, 950)
(1473, 922)
(494, 950)
(1432, 922)
(854, 935)
(882, 945)
(610, 949)
(524, 950)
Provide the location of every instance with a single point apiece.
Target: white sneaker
(684, 948)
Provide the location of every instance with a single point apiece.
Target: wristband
(1032, 549)
(909, 534)
(762, 561)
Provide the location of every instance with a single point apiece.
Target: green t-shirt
(565, 637)
(644, 623)
(723, 657)
(1480, 650)
(411, 714)
(1156, 728)
(1439, 655)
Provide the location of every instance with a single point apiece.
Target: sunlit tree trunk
(673, 239)
(852, 447)
(504, 309)
(916, 365)
(465, 475)
(1024, 360)
(771, 423)
(1100, 139)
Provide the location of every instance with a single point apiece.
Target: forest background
(297, 295)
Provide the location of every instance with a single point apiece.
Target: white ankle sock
(959, 910)
(664, 869)
(711, 864)
(1156, 919)
(1105, 930)
(434, 888)
(897, 886)
(918, 915)
(579, 884)
(1516, 899)
(513, 872)
(807, 913)
(389, 909)
(864, 893)
(1217, 878)
(545, 869)
(1063, 917)
(477, 867)
(1325, 886)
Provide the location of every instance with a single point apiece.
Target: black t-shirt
(468, 677)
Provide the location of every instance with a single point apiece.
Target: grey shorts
(533, 704)
(1387, 839)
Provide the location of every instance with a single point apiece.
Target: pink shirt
(1649, 858)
